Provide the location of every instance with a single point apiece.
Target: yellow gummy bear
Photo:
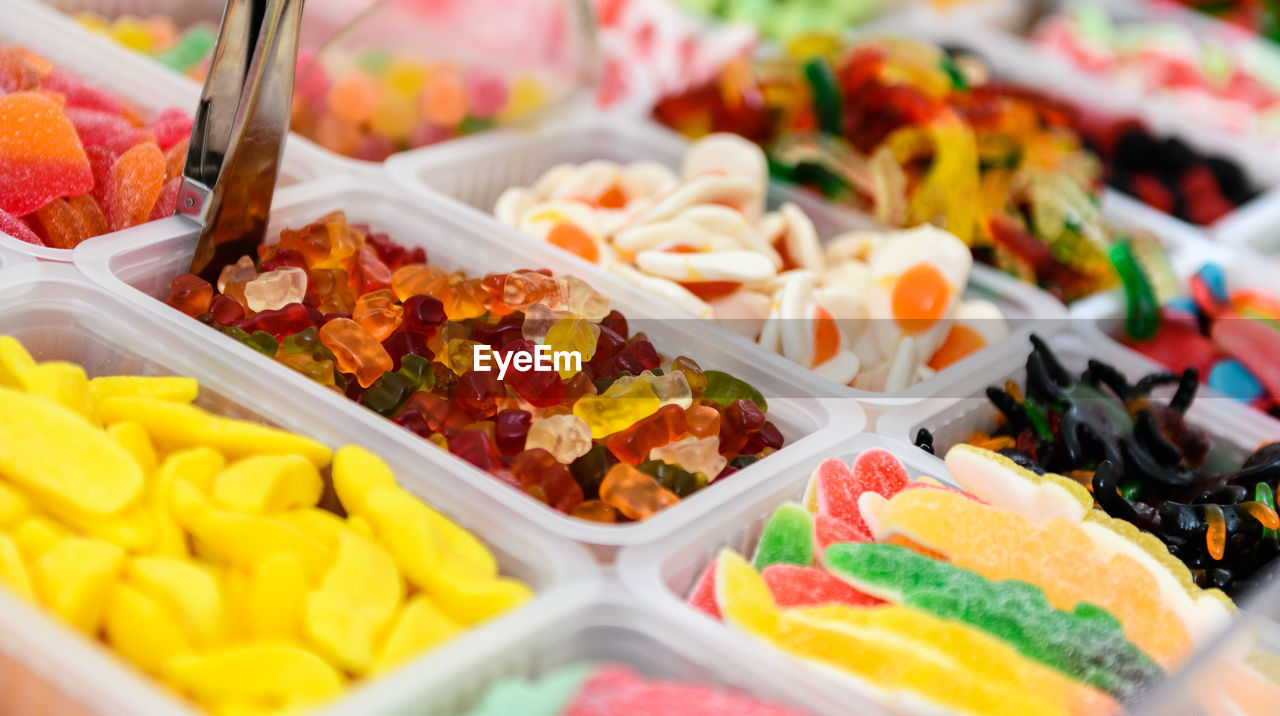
(136, 442)
(13, 573)
(61, 459)
(356, 471)
(275, 590)
(356, 600)
(175, 389)
(576, 335)
(174, 426)
(419, 628)
(264, 484)
(142, 630)
(63, 383)
(73, 578)
(15, 361)
(618, 408)
(278, 673)
(187, 590)
(13, 505)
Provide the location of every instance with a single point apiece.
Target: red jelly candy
(79, 93)
(476, 448)
(12, 226)
(795, 586)
(279, 322)
(170, 127)
(877, 470)
(402, 343)
(703, 596)
(167, 202)
(95, 128)
(828, 530)
(632, 445)
(538, 471)
(190, 294)
(541, 388)
(41, 158)
(225, 309)
(134, 185)
(510, 429)
(478, 393)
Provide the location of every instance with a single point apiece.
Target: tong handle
(239, 130)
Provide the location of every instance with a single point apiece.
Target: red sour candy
(703, 596)
(795, 586)
(40, 155)
(12, 226)
(828, 530)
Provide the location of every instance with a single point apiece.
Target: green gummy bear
(787, 538)
(1087, 643)
(724, 389)
(546, 696)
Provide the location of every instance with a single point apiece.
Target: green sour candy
(787, 538)
(547, 696)
(1087, 643)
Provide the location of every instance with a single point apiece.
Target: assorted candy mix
(609, 689)
(619, 435)
(202, 549)
(1104, 439)
(1230, 84)
(914, 134)
(374, 103)
(183, 50)
(1096, 539)
(876, 310)
(77, 161)
(1010, 595)
(1228, 335)
(1259, 16)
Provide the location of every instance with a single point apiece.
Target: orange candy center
(573, 239)
(920, 298)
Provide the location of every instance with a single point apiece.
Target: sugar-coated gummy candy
(1024, 600)
(1086, 643)
(194, 545)
(599, 689)
(76, 161)
(787, 538)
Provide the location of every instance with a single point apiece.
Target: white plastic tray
(607, 625)
(476, 170)
(1255, 223)
(662, 574)
(137, 79)
(59, 315)
(962, 407)
(140, 267)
